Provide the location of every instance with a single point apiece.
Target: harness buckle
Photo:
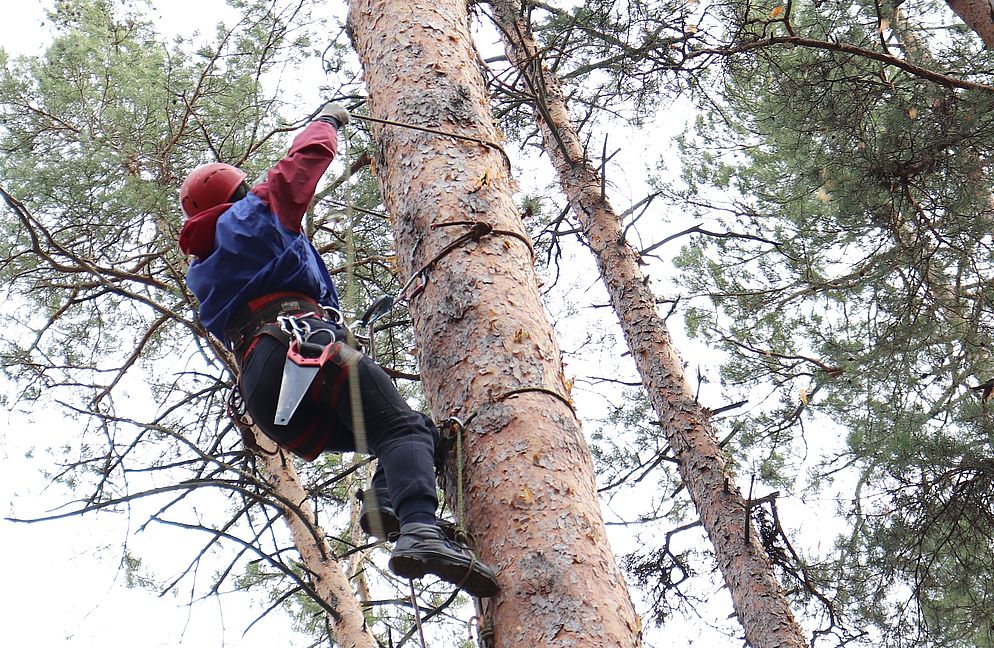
(296, 326)
(334, 316)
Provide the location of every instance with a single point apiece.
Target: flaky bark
(759, 603)
(346, 620)
(978, 15)
(487, 351)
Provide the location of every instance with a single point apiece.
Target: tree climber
(266, 294)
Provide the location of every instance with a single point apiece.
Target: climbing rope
(435, 131)
(453, 428)
(478, 229)
(417, 613)
(355, 397)
(355, 394)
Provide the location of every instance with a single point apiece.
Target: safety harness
(288, 317)
(259, 317)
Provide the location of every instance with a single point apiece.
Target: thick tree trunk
(487, 352)
(978, 15)
(759, 603)
(326, 575)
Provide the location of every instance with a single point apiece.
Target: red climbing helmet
(209, 185)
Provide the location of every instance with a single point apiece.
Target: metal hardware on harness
(335, 316)
(295, 325)
(304, 360)
(376, 310)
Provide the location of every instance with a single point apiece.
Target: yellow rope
(355, 396)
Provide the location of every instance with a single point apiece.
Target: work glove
(333, 113)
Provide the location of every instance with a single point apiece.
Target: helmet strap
(240, 192)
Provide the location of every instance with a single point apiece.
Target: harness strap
(258, 317)
(331, 390)
(343, 356)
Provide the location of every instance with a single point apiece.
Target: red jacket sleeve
(291, 183)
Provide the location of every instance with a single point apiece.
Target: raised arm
(291, 183)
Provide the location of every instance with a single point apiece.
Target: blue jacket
(257, 245)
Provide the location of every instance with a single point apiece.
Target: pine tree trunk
(487, 351)
(978, 15)
(326, 575)
(759, 603)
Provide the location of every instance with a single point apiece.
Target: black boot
(376, 515)
(424, 549)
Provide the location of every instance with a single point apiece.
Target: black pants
(402, 439)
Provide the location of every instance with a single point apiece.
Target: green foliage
(855, 296)
(618, 55)
(611, 58)
(98, 133)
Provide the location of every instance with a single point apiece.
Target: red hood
(197, 235)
